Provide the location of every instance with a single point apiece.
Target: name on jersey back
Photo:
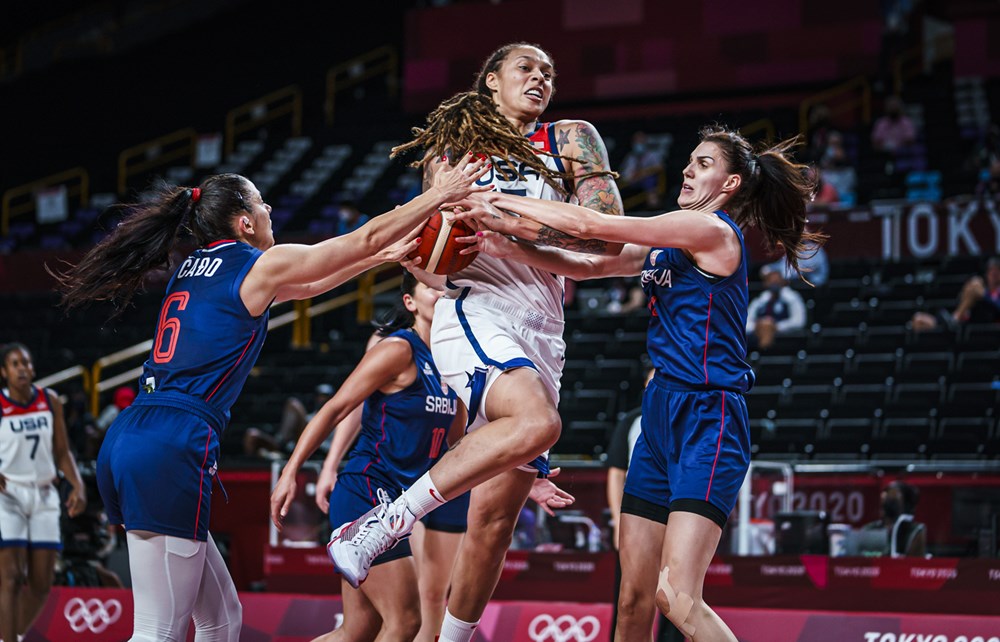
(205, 266)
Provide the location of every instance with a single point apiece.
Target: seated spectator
(894, 130)
(641, 167)
(349, 218)
(986, 162)
(777, 310)
(826, 193)
(815, 266)
(294, 417)
(626, 296)
(906, 536)
(123, 398)
(978, 302)
(820, 129)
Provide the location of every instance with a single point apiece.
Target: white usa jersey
(524, 286)
(26, 438)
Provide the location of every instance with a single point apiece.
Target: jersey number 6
(161, 355)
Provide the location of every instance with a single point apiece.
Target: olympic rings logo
(564, 628)
(92, 614)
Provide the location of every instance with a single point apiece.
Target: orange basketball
(438, 248)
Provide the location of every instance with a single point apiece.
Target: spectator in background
(978, 302)
(349, 218)
(123, 398)
(815, 265)
(820, 129)
(826, 193)
(893, 131)
(835, 170)
(641, 168)
(294, 417)
(619, 454)
(626, 296)
(906, 536)
(777, 310)
(986, 163)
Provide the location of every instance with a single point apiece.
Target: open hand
(487, 242)
(455, 182)
(548, 495)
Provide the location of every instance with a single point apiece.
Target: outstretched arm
(574, 265)
(343, 437)
(380, 366)
(292, 265)
(712, 243)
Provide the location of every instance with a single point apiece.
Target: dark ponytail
(773, 193)
(398, 317)
(116, 267)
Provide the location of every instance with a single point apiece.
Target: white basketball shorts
(475, 338)
(29, 516)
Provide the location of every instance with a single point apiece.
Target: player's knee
(633, 602)
(675, 600)
(494, 532)
(39, 587)
(12, 577)
(541, 430)
(403, 626)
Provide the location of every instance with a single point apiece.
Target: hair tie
(195, 194)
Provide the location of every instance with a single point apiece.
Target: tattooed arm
(580, 140)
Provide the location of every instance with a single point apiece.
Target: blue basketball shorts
(155, 469)
(694, 448)
(354, 495)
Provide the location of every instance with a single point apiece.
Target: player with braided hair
(497, 331)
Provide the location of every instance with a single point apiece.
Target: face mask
(346, 215)
(774, 288)
(639, 148)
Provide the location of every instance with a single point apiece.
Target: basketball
(438, 248)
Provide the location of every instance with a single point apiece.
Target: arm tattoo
(428, 178)
(563, 140)
(598, 193)
(555, 238)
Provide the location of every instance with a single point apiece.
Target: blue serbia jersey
(206, 342)
(403, 433)
(697, 328)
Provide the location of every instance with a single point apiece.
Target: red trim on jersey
(220, 242)
(541, 135)
(378, 457)
(201, 480)
(28, 408)
(228, 372)
(708, 319)
(718, 446)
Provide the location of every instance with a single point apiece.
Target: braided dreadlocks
(470, 121)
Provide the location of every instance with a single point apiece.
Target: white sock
(456, 630)
(422, 497)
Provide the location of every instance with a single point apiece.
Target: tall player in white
(33, 443)
(497, 332)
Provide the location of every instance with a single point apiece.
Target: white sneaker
(355, 545)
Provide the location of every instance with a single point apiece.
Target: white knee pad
(676, 606)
